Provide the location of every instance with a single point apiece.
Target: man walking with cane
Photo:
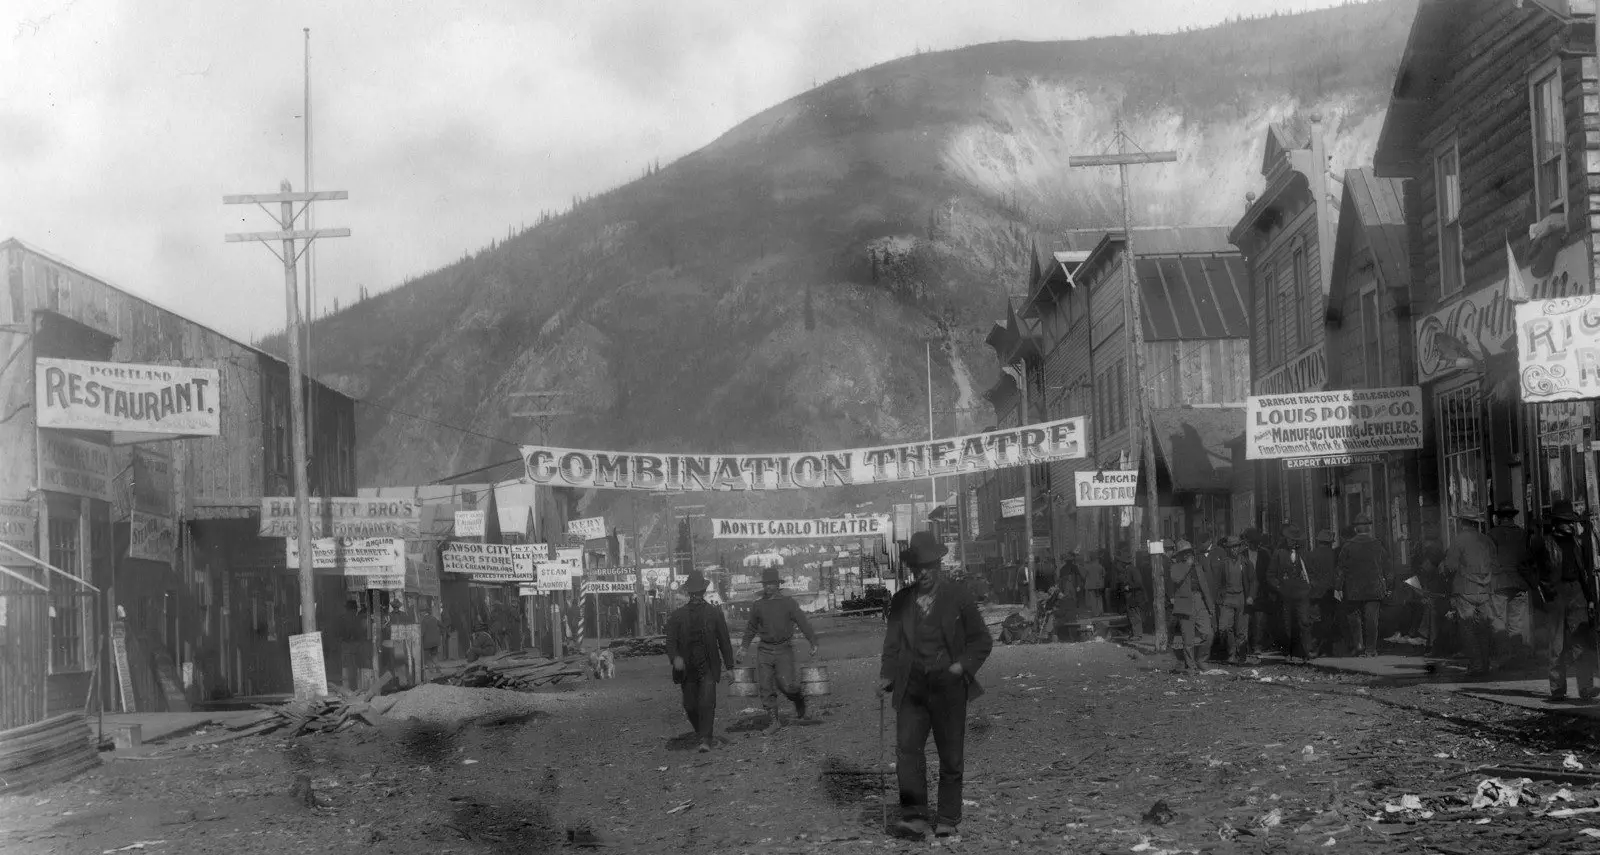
(932, 649)
(775, 617)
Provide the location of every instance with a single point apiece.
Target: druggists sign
(141, 401)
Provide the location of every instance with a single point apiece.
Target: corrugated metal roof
(1193, 296)
(1379, 203)
(1194, 445)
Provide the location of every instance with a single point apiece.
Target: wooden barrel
(744, 683)
(814, 680)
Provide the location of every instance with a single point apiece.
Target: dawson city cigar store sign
(983, 452)
(131, 400)
(1346, 421)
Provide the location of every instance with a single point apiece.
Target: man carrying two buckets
(775, 618)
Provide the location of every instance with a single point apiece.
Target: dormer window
(1549, 139)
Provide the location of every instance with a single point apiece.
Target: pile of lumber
(45, 752)
(650, 645)
(516, 671)
(341, 710)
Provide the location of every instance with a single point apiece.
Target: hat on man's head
(1326, 536)
(1293, 532)
(697, 584)
(1181, 547)
(1562, 511)
(1229, 541)
(1250, 535)
(1362, 518)
(1505, 509)
(771, 574)
(924, 549)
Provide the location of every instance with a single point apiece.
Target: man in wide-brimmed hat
(1190, 596)
(1508, 602)
(1470, 564)
(1564, 571)
(932, 649)
(775, 618)
(1292, 575)
(699, 647)
(1363, 567)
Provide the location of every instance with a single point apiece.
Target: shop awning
(1192, 444)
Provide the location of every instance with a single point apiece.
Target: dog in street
(602, 665)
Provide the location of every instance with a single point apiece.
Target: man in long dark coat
(1364, 578)
(1562, 564)
(932, 649)
(699, 647)
(1293, 577)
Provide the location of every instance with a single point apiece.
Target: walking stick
(883, 773)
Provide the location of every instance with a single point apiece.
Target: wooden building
(1494, 119)
(1286, 234)
(1369, 347)
(211, 613)
(1192, 283)
(1001, 495)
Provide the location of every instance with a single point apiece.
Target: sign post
(288, 234)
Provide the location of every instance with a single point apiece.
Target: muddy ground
(1075, 748)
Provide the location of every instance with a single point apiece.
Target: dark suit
(927, 697)
(698, 634)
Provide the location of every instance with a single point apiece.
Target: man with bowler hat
(775, 617)
(932, 649)
(699, 647)
(1564, 574)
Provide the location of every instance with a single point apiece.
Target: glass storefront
(1461, 433)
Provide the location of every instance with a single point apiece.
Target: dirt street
(1076, 748)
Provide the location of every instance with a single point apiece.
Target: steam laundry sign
(984, 452)
(1485, 320)
(151, 537)
(1106, 489)
(1346, 421)
(127, 398)
(865, 526)
(1558, 349)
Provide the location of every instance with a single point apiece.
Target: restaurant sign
(1106, 489)
(1485, 321)
(127, 398)
(1343, 421)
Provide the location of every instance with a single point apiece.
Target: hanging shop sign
(570, 557)
(376, 582)
(864, 526)
(606, 588)
(516, 522)
(422, 567)
(1344, 421)
(19, 529)
(372, 556)
(1110, 489)
(588, 528)
(1558, 349)
(76, 466)
(551, 576)
(469, 523)
(152, 482)
(135, 402)
(152, 537)
(343, 516)
(1485, 320)
(490, 562)
(1012, 507)
(1331, 460)
(984, 452)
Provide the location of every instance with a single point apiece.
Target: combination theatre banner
(983, 452)
(1109, 489)
(143, 401)
(1558, 349)
(1344, 421)
(865, 526)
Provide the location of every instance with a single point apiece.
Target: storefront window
(1461, 424)
(1563, 428)
(67, 623)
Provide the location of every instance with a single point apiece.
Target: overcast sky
(122, 124)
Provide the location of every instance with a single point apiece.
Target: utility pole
(933, 481)
(1134, 315)
(288, 234)
(543, 413)
(1020, 374)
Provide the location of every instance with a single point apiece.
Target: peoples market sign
(984, 452)
(1485, 320)
(134, 402)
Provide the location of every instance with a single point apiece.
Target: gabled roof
(1282, 139)
(1376, 207)
(1423, 72)
(1286, 163)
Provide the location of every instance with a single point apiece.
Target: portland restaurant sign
(1485, 320)
(122, 397)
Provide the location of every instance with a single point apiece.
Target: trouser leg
(706, 708)
(1369, 619)
(766, 676)
(912, 721)
(786, 676)
(691, 702)
(949, 724)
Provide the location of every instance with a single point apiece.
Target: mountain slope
(773, 290)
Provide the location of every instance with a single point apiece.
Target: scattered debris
(683, 807)
(1409, 807)
(142, 844)
(515, 671)
(1497, 792)
(650, 645)
(1570, 763)
(1159, 813)
(1272, 819)
(339, 711)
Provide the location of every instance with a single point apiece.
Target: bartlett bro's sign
(125, 398)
